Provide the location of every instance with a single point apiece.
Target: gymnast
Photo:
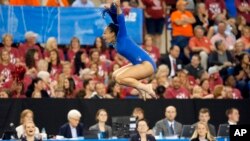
(141, 66)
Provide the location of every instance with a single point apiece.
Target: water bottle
(160, 135)
(44, 134)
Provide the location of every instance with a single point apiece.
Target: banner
(63, 23)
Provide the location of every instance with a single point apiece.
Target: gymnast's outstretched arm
(120, 20)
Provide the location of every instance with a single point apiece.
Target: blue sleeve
(122, 26)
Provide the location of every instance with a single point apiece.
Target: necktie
(174, 64)
(171, 129)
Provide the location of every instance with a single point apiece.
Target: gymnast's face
(108, 35)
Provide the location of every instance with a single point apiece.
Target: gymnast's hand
(117, 3)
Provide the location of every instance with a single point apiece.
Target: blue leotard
(128, 48)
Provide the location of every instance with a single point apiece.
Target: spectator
(142, 132)
(106, 3)
(105, 51)
(101, 126)
(69, 88)
(245, 38)
(59, 93)
(42, 65)
(176, 91)
(5, 67)
(30, 43)
(219, 92)
(242, 74)
(24, 2)
(73, 128)
(194, 69)
(35, 89)
(240, 22)
(83, 3)
(182, 21)
(202, 133)
(238, 50)
(201, 45)
(31, 59)
(231, 82)
(214, 78)
(89, 87)
(115, 90)
(155, 17)
(204, 117)
(54, 66)
(228, 40)
(243, 9)
(197, 92)
(26, 116)
(168, 126)
(80, 62)
(7, 41)
(57, 3)
(221, 58)
(52, 45)
(233, 116)
(4, 94)
(186, 81)
(18, 90)
(29, 132)
(206, 89)
(74, 47)
(161, 76)
(172, 61)
(215, 7)
(100, 92)
(201, 16)
(150, 48)
(138, 113)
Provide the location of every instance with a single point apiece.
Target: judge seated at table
(72, 129)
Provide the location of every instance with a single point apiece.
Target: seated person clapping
(101, 118)
(202, 133)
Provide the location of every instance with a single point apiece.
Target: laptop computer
(223, 130)
(187, 131)
(90, 134)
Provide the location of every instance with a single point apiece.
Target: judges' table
(218, 139)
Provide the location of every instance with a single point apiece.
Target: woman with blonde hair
(202, 133)
(26, 116)
(51, 44)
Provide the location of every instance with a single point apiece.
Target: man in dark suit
(168, 126)
(204, 117)
(171, 60)
(73, 128)
(233, 116)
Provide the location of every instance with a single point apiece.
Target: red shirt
(214, 7)
(245, 3)
(200, 42)
(154, 8)
(71, 54)
(14, 54)
(60, 53)
(6, 71)
(217, 81)
(55, 71)
(236, 94)
(154, 52)
(23, 48)
(181, 93)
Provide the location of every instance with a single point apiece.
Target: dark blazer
(164, 59)
(213, 58)
(137, 137)
(108, 129)
(66, 132)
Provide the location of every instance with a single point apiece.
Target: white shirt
(172, 72)
(171, 123)
(73, 131)
(20, 131)
(232, 123)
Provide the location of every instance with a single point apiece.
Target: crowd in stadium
(208, 57)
